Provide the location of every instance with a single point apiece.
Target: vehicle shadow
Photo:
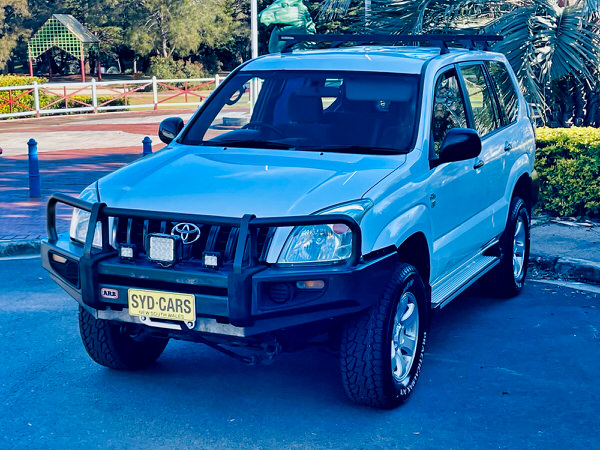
(308, 378)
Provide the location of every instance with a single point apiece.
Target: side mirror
(169, 129)
(459, 144)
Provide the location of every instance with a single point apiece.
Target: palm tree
(552, 49)
(552, 45)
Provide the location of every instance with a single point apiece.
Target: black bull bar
(245, 261)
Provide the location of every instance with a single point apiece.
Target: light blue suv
(342, 193)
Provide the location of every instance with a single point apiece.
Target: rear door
(516, 134)
(493, 105)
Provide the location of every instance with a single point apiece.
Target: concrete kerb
(567, 268)
(19, 247)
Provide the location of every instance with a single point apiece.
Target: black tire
(369, 371)
(112, 345)
(508, 277)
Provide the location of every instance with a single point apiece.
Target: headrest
(304, 108)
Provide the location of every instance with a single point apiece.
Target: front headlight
(81, 219)
(323, 243)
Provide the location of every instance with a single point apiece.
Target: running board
(447, 289)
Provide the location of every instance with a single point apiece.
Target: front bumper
(245, 298)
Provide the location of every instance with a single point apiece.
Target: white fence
(98, 96)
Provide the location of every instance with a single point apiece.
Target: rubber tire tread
(365, 346)
(109, 346)
(500, 281)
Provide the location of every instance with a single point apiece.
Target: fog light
(310, 284)
(211, 259)
(163, 248)
(280, 292)
(126, 251)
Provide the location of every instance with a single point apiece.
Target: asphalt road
(498, 374)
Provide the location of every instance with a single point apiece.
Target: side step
(448, 288)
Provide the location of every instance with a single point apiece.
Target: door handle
(478, 163)
(507, 146)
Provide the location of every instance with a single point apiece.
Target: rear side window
(504, 86)
(480, 97)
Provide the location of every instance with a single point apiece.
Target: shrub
(79, 101)
(20, 80)
(167, 68)
(568, 164)
(25, 102)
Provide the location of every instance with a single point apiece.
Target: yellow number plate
(162, 305)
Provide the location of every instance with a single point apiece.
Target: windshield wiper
(356, 149)
(248, 143)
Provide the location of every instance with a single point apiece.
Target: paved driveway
(498, 374)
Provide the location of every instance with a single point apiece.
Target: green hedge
(568, 164)
(17, 80)
(76, 101)
(20, 80)
(45, 99)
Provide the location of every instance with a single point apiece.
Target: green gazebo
(67, 33)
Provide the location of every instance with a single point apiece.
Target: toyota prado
(342, 192)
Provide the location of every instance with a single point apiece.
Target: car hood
(233, 182)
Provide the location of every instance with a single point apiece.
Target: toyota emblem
(188, 232)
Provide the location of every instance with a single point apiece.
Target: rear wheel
(382, 348)
(508, 277)
(116, 345)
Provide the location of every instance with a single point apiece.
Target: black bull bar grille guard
(245, 261)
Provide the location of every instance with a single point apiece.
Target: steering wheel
(259, 125)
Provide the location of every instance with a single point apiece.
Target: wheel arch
(524, 188)
(415, 251)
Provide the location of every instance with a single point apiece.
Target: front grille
(220, 239)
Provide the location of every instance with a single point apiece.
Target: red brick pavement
(22, 217)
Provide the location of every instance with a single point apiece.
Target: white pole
(254, 44)
(94, 96)
(155, 93)
(36, 98)
(254, 27)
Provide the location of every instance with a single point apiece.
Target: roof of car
(401, 59)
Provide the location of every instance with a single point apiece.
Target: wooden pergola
(68, 34)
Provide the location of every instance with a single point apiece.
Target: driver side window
(448, 108)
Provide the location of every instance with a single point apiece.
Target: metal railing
(100, 96)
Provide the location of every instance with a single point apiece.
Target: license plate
(162, 305)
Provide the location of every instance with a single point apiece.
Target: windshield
(356, 112)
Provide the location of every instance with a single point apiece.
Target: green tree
(179, 27)
(12, 13)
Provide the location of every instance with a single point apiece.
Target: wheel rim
(519, 249)
(405, 333)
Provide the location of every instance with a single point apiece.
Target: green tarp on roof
(65, 32)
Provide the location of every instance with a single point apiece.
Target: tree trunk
(580, 98)
(592, 116)
(165, 50)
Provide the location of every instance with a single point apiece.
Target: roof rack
(437, 40)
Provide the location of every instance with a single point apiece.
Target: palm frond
(574, 48)
(333, 9)
(591, 9)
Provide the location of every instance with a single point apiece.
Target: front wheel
(508, 277)
(382, 348)
(116, 345)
